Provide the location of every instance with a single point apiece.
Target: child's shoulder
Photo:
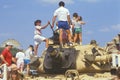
(38, 27)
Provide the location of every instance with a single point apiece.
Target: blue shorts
(26, 61)
(63, 25)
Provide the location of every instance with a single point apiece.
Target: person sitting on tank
(111, 48)
(115, 55)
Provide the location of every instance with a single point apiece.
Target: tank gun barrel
(104, 58)
(100, 58)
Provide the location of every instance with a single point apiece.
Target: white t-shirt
(28, 53)
(77, 24)
(20, 56)
(37, 30)
(62, 13)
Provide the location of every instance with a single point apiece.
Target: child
(38, 38)
(78, 29)
(20, 59)
(28, 54)
(75, 15)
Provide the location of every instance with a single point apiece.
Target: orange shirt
(7, 56)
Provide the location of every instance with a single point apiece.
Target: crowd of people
(16, 64)
(70, 30)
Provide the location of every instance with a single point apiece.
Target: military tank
(73, 60)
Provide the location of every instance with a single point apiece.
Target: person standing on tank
(64, 21)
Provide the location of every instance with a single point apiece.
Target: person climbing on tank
(38, 38)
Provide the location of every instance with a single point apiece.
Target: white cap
(9, 44)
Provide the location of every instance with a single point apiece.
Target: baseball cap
(9, 44)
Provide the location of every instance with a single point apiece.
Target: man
(7, 58)
(6, 54)
(63, 22)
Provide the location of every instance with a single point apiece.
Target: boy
(20, 59)
(38, 38)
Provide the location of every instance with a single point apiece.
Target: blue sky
(17, 18)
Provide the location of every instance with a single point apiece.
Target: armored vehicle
(74, 60)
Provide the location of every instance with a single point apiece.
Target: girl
(78, 29)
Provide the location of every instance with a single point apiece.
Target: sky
(17, 18)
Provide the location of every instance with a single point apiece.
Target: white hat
(9, 44)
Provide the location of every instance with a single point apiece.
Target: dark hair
(32, 47)
(15, 72)
(61, 3)
(75, 15)
(80, 18)
(37, 21)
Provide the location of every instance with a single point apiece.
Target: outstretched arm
(82, 22)
(43, 27)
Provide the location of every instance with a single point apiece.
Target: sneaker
(80, 43)
(70, 44)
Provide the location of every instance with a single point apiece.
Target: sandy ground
(82, 76)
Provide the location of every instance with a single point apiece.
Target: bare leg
(47, 43)
(36, 49)
(28, 68)
(60, 36)
(80, 38)
(69, 35)
(22, 66)
(75, 38)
